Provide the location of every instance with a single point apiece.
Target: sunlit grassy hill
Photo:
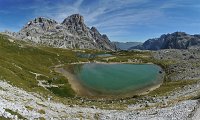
(31, 67)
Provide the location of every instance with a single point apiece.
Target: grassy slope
(18, 62)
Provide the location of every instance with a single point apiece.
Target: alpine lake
(116, 79)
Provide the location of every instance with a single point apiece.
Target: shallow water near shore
(117, 79)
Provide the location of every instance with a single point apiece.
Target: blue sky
(121, 20)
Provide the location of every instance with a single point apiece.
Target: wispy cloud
(111, 15)
(4, 12)
(122, 17)
(78, 3)
(105, 9)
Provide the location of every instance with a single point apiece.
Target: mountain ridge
(72, 33)
(176, 40)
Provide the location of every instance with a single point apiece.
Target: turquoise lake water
(118, 78)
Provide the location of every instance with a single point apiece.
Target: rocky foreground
(180, 104)
(16, 103)
(186, 63)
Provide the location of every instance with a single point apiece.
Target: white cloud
(112, 15)
(78, 3)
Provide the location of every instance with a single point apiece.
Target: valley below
(33, 85)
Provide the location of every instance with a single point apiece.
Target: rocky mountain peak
(44, 20)
(75, 22)
(179, 34)
(71, 33)
(41, 21)
(76, 19)
(176, 40)
(40, 25)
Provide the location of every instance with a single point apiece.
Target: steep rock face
(71, 33)
(75, 24)
(176, 40)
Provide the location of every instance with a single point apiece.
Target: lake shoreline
(83, 91)
(75, 84)
(98, 62)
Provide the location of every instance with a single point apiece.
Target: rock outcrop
(176, 40)
(72, 33)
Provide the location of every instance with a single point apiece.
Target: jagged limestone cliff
(71, 33)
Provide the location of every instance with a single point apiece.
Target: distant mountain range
(71, 33)
(176, 40)
(126, 45)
